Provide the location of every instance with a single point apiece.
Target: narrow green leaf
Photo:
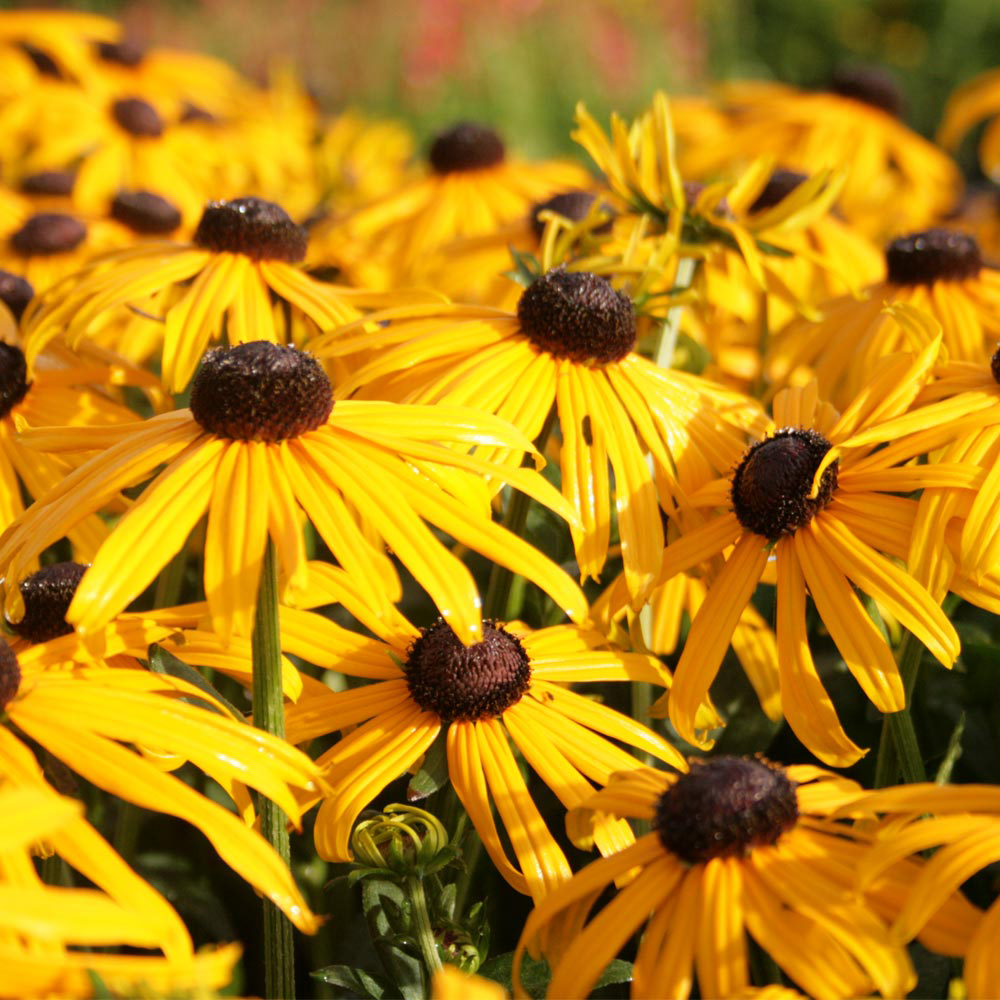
(163, 662)
(433, 773)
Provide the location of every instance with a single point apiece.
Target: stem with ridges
(899, 752)
(422, 924)
(269, 715)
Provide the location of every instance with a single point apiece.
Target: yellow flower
(738, 847)
(471, 187)
(973, 101)
(262, 440)
(450, 983)
(88, 715)
(242, 253)
(511, 686)
(896, 180)
(568, 351)
(814, 496)
(939, 271)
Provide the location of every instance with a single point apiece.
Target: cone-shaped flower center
(138, 117)
(870, 85)
(260, 392)
(251, 226)
(771, 485)
(933, 255)
(14, 382)
(465, 146)
(466, 683)
(57, 183)
(124, 53)
(145, 212)
(577, 315)
(15, 293)
(724, 808)
(47, 595)
(10, 674)
(573, 205)
(48, 233)
(779, 186)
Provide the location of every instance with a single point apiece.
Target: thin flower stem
(269, 715)
(899, 752)
(126, 833)
(422, 922)
(515, 517)
(666, 341)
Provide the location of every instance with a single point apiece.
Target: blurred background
(524, 63)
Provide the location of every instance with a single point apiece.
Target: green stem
(899, 752)
(126, 833)
(422, 921)
(269, 715)
(515, 517)
(666, 342)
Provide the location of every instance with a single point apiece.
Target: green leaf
(359, 982)
(433, 773)
(163, 662)
(535, 976)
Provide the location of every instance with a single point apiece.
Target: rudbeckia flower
(508, 687)
(939, 271)
(812, 496)
(51, 934)
(471, 187)
(243, 252)
(88, 716)
(569, 349)
(961, 825)
(738, 847)
(971, 103)
(896, 179)
(261, 441)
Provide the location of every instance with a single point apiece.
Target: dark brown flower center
(577, 315)
(573, 205)
(145, 212)
(47, 595)
(870, 85)
(995, 365)
(465, 683)
(14, 382)
(771, 486)
(42, 61)
(10, 674)
(251, 226)
(124, 53)
(778, 187)
(465, 146)
(15, 293)
(138, 117)
(724, 808)
(48, 233)
(57, 183)
(260, 392)
(933, 255)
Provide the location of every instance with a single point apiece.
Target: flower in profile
(896, 180)
(511, 686)
(971, 103)
(471, 187)
(90, 716)
(262, 441)
(939, 271)
(53, 935)
(813, 495)
(243, 252)
(568, 351)
(739, 847)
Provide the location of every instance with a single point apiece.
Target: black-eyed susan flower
(971, 103)
(53, 935)
(739, 849)
(471, 186)
(510, 687)
(243, 252)
(896, 179)
(939, 271)
(812, 495)
(91, 715)
(961, 824)
(569, 348)
(262, 441)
